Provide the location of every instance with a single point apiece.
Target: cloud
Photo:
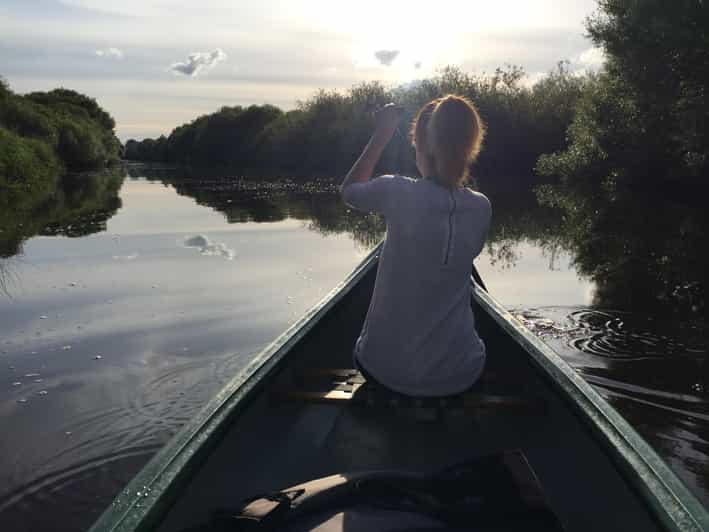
(199, 61)
(417, 65)
(386, 57)
(207, 247)
(113, 53)
(592, 59)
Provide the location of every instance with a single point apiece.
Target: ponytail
(452, 132)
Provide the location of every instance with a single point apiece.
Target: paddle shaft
(397, 132)
(478, 280)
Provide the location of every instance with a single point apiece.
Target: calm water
(128, 305)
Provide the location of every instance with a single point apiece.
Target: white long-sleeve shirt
(419, 337)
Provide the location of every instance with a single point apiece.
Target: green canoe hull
(597, 472)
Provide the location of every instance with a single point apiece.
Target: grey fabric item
(419, 337)
(366, 519)
(496, 493)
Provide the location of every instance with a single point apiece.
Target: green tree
(646, 117)
(74, 126)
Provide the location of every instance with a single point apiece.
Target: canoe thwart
(343, 386)
(335, 374)
(353, 375)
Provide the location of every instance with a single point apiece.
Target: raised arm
(387, 119)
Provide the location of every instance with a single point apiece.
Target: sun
(420, 36)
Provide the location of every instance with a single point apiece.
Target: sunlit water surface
(111, 341)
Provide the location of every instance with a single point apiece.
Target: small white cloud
(592, 59)
(113, 53)
(199, 61)
(417, 65)
(386, 57)
(207, 247)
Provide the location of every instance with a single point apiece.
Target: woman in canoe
(419, 337)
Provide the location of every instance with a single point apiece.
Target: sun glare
(418, 37)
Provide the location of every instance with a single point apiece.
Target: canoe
(291, 416)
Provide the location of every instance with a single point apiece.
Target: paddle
(478, 280)
(476, 276)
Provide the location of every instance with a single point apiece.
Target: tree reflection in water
(644, 252)
(317, 204)
(80, 205)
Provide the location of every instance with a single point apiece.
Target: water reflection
(172, 282)
(111, 341)
(653, 371)
(643, 250)
(79, 206)
(518, 218)
(316, 203)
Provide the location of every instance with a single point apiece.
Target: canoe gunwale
(666, 495)
(151, 492)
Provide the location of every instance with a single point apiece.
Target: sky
(156, 64)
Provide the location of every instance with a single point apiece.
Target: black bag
(494, 493)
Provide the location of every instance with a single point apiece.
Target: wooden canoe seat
(349, 386)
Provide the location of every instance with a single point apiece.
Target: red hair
(452, 132)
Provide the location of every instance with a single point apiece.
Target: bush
(71, 124)
(643, 120)
(25, 165)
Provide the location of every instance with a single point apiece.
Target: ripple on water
(107, 446)
(608, 335)
(59, 494)
(605, 334)
(631, 358)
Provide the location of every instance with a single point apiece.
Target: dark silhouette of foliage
(641, 253)
(638, 151)
(647, 114)
(325, 133)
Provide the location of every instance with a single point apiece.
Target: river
(128, 298)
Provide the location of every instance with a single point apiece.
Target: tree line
(324, 134)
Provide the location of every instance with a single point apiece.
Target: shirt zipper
(450, 228)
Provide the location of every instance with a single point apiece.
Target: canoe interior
(271, 445)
